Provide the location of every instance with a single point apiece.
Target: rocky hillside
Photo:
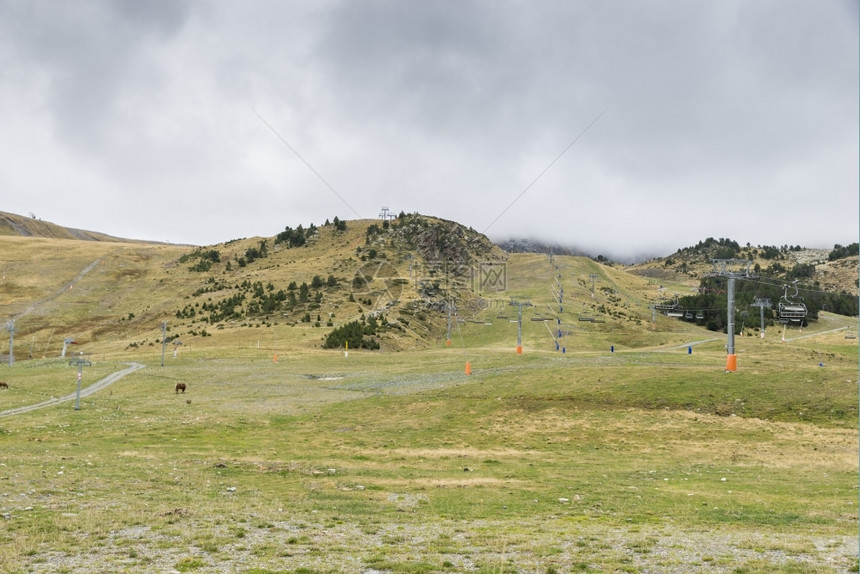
(393, 278)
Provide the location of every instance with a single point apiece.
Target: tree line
(712, 302)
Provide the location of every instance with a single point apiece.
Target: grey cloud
(92, 55)
(449, 108)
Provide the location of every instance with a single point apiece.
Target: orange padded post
(731, 363)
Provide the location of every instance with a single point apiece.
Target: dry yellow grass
(398, 461)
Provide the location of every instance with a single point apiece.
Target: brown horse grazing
(180, 387)
(4, 385)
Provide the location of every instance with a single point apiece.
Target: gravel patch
(460, 546)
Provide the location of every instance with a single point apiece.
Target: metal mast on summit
(385, 214)
(731, 269)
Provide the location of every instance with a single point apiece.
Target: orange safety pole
(731, 363)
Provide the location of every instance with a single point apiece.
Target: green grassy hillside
(630, 451)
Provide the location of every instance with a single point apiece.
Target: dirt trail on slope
(105, 382)
(33, 306)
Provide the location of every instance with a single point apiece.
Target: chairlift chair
(666, 305)
(790, 311)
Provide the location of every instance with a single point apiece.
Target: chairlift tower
(163, 340)
(384, 214)
(450, 305)
(10, 326)
(761, 304)
(66, 342)
(592, 276)
(559, 294)
(519, 304)
(80, 362)
(731, 269)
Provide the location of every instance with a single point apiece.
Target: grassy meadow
(632, 451)
(399, 462)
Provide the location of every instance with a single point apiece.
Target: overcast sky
(620, 127)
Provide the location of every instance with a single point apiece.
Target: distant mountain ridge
(18, 225)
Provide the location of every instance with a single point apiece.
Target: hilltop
(20, 226)
(389, 284)
(392, 277)
(375, 283)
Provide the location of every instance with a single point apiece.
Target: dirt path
(816, 334)
(33, 306)
(107, 381)
(693, 343)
